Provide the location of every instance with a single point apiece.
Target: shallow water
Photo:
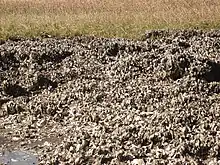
(17, 158)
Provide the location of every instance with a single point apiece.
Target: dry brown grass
(116, 18)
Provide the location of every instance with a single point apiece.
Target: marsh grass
(116, 18)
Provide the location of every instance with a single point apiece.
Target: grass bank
(116, 18)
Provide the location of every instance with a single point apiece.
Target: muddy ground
(88, 100)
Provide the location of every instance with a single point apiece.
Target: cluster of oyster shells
(89, 100)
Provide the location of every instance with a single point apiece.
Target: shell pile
(89, 100)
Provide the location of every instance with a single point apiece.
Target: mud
(88, 100)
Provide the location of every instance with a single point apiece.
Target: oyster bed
(88, 100)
